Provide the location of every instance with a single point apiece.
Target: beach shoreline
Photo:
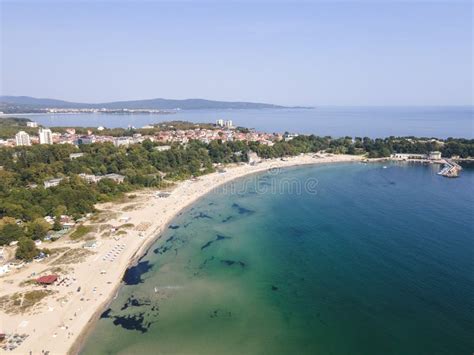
(161, 211)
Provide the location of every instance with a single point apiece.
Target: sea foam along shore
(63, 320)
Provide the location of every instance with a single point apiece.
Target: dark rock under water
(132, 322)
(233, 262)
(218, 237)
(242, 210)
(227, 219)
(220, 313)
(135, 302)
(202, 215)
(133, 275)
(106, 313)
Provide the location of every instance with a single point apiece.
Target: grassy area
(132, 207)
(27, 282)
(56, 251)
(104, 227)
(103, 217)
(72, 256)
(21, 302)
(81, 231)
(106, 234)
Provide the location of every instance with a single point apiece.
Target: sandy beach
(90, 277)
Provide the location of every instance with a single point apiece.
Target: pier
(450, 169)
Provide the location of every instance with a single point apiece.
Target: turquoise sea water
(368, 260)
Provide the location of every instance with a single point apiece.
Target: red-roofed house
(47, 280)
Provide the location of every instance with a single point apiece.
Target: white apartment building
(289, 136)
(32, 124)
(122, 141)
(222, 123)
(22, 138)
(45, 136)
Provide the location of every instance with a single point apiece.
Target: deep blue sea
(332, 259)
(440, 122)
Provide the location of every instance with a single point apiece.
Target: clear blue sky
(319, 53)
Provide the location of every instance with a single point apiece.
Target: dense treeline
(9, 126)
(374, 148)
(24, 170)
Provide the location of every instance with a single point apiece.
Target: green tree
(38, 228)
(10, 232)
(57, 226)
(26, 249)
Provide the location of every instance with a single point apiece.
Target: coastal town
(222, 130)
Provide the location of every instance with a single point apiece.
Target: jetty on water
(450, 169)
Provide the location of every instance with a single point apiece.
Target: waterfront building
(435, 155)
(220, 123)
(45, 136)
(22, 138)
(405, 156)
(32, 124)
(228, 124)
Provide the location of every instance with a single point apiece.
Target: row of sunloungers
(114, 253)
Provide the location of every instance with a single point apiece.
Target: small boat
(385, 167)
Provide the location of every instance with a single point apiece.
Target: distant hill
(33, 101)
(165, 104)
